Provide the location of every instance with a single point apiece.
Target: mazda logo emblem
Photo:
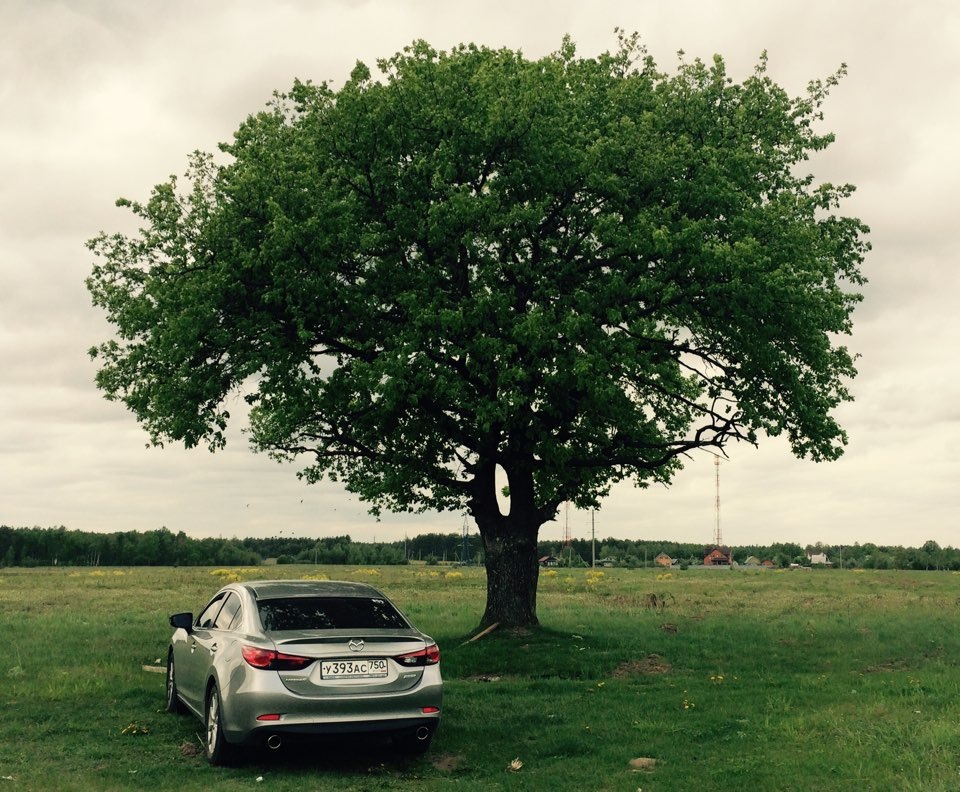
(355, 646)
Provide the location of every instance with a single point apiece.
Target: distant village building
(662, 559)
(717, 556)
(819, 559)
(768, 563)
(548, 561)
(752, 561)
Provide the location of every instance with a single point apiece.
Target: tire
(219, 751)
(174, 704)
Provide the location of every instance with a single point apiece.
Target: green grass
(802, 680)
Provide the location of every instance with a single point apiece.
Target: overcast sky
(105, 98)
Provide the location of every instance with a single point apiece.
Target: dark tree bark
(510, 546)
(512, 576)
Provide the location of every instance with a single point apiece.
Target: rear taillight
(271, 660)
(425, 657)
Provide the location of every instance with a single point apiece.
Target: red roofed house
(717, 556)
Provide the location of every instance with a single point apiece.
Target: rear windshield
(328, 613)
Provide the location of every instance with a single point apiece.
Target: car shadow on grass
(368, 755)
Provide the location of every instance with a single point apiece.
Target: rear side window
(328, 613)
(227, 613)
(205, 620)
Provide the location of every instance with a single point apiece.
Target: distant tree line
(639, 553)
(27, 547)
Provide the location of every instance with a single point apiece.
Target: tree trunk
(510, 547)
(512, 574)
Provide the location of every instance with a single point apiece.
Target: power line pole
(465, 552)
(593, 540)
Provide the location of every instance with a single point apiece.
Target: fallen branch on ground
(480, 635)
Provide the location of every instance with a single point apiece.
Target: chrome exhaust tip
(423, 733)
(274, 742)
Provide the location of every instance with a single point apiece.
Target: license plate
(353, 669)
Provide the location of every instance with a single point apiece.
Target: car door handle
(193, 647)
(213, 648)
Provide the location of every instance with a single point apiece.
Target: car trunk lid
(350, 662)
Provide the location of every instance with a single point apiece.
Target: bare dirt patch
(888, 667)
(646, 666)
(484, 678)
(446, 763)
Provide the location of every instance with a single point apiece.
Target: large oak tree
(479, 268)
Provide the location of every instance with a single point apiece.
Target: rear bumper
(317, 729)
(348, 714)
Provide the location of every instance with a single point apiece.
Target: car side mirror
(182, 621)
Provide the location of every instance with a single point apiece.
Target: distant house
(662, 559)
(608, 561)
(768, 563)
(717, 556)
(752, 561)
(819, 558)
(548, 561)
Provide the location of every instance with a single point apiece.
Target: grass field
(726, 680)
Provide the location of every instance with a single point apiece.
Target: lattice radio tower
(717, 536)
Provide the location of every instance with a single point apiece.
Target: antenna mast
(717, 537)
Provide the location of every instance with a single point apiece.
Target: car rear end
(338, 659)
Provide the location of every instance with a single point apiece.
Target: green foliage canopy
(577, 269)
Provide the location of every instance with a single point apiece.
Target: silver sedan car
(265, 660)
